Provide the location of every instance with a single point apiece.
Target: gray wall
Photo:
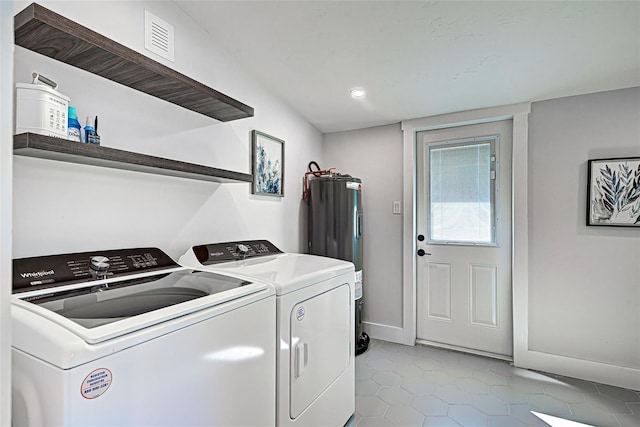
(375, 156)
(584, 282)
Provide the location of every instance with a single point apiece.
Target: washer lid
(286, 272)
(97, 312)
(122, 291)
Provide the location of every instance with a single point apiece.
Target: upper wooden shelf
(43, 31)
(46, 147)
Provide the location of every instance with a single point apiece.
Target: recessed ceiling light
(358, 93)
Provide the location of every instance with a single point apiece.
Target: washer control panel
(214, 253)
(56, 270)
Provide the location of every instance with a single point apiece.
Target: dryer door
(320, 345)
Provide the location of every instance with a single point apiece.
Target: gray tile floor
(406, 386)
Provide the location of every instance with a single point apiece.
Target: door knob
(421, 252)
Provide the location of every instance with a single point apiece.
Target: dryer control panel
(214, 253)
(56, 270)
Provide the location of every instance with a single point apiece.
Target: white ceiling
(418, 59)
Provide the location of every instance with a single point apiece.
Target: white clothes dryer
(315, 325)
(129, 337)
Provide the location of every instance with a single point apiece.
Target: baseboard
(603, 373)
(382, 332)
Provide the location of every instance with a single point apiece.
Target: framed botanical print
(268, 164)
(614, 192)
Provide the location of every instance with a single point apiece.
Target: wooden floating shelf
(43, 31)
(46, 147)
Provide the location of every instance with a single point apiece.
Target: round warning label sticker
(96, 383)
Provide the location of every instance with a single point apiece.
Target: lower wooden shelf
(46, 147)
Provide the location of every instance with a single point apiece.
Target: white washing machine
(130, 338)
(315, 324)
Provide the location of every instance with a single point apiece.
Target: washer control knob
(243, 249)
(100, 263)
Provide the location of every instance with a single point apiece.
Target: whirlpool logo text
(37, 274)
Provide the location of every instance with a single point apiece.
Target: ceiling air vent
(158, 36)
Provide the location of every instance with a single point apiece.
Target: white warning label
(358, 284)
(96, 383)
(354, 186)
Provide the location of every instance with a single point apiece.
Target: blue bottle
(74, 131)
(90, 134)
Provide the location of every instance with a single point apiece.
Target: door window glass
(461, 191)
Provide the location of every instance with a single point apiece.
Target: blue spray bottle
(90, 134)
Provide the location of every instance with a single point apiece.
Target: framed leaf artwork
(268, 165)
(614, 192)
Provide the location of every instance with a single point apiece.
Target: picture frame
(267, 164)
(613, 196)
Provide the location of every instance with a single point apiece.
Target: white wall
(61, 207)
(375, 156)
(6, 148)
(584, 282)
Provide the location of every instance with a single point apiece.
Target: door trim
(519, 113)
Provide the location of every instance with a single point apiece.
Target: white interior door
(463, 254)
